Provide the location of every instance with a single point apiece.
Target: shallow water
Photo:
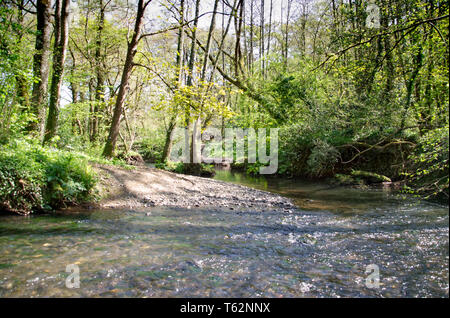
(321, 250)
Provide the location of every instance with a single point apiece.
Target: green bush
(33, 177)
(203, 170)
(21, 178)
(177, 167)
(151, 148)
(429, 176)
(322, 159)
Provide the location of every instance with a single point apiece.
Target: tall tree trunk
(190, 79)
(41, 64)
(205, 64)
(91, 97)
(262, 46)
(238, 51)
(269, 36)
(208, 42)
(74, 88)
(99, 91)
(59, 55)
(22, 95)
(389, 73)
(410, 84)
(110, 145)
(222, 42)
(425, 118)
(286, 38)
(245, 54)
(303, 21)
(193, 45)
(251, 57)
(179, 77)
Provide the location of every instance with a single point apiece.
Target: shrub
(177, 167)
(151, 148)
(21, 178)
(203, 170)
(430, 174)
(322, 159)
(33, 177)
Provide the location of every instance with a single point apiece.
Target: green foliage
(15, 57)
(21, 179)
(253, 168)
(345, 180)
(204, 100)
(370, 176)
(33, 177)
(322, 158)
(308, 151)
(204, 170)
(177, 167)
(151, 147)
(430, 176)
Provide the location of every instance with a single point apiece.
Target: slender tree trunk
(41, 64)
(388, 57)
(286, 39)
(303, 21)
(198, 126)
(73, 83)
(110, 145)
(251, 58)
(238, 51)
(190, 81)
(74, 88)
(425, 118)
(262, 49)
(179, 78)
(193, 45)
(222, 42)
(99, 91)
(168, 141)
(180, 46)
(59, 55)
(410, 85)
(22, 95)
(245, 54)
(270, 27)
(208, 42)
(91, 97)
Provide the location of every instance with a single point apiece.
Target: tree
(110, 145)
(99, 69)
(178, 80)
(59, 56)
(41, 64)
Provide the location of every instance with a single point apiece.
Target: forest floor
(147, 187)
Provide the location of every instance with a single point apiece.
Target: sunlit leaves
(201, 100)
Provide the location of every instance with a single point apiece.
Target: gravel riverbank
(148, 187)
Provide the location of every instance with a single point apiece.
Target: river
(331, 246)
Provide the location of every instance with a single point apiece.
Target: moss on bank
(370, 177)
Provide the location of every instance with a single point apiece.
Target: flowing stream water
(329, 247)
